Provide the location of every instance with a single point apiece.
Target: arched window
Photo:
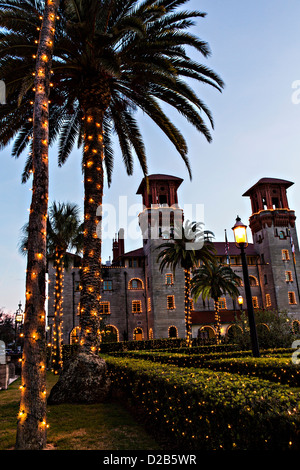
(282, 235)
(253, 281)
(296, 326)
(135, 284)
(74, 336)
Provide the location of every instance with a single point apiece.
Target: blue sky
(256, 50)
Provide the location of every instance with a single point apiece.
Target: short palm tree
(186, 251)
(213, 280)
(110, 59)
(64, 234)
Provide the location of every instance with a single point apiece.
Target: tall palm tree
(64, 234)
(213, 280)
(31, 430)
(186, 251)
(111, 58)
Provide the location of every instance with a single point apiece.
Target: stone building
(138, 301)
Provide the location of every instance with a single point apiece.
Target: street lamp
(241, 241)
(18, 320)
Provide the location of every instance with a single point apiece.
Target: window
(282, 235)
(292, 298)
(268, 300)
(253, 281)
(285, 255)
(135, 284)
(136, 306)
(77, 286)
(104, 308)
(265, 279)
(149, 304)
(255, 302)
(107, 285)
(169, 279)
(222, 303)
(133, 263)
(170, 302)
(191, 302)
(288, 276)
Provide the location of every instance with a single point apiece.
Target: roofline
(159, 176)
(263, 181)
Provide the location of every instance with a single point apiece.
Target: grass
(104, 426)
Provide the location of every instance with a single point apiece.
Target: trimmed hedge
(277, 367)
(200, 409)
(142, 345)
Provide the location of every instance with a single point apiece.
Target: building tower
(275, 238)
(158, 221)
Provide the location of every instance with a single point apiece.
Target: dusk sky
(256, 50)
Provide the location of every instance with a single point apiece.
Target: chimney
(121, 242)
(118, 245)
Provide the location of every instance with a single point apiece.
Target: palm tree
(213, 280)
(111, 58)
(64, 234)
(31, 430)
(186, 251)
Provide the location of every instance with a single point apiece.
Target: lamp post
(18, 320)
(240, 236)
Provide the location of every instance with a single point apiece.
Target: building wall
(159, 290)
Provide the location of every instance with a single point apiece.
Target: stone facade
(138, 301)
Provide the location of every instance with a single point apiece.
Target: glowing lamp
(240, 300)
(240, 236)
(240, 233)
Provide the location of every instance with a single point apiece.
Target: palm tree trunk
(91, 265)
(217, 321)
(187, 308)
(32, 427)
(57, 331)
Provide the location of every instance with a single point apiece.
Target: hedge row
(200, 409)
(174, 344)
(276, 368)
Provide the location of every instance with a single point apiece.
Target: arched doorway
(138, 334)
(206, 333)
(233, 331)
(173, 332)
(110, 334)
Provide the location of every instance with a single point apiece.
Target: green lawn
(106, 426)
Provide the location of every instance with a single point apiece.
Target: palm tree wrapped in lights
(187, 250)
(213, 280)
(64, 234)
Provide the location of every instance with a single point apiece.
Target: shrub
(206, 410)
